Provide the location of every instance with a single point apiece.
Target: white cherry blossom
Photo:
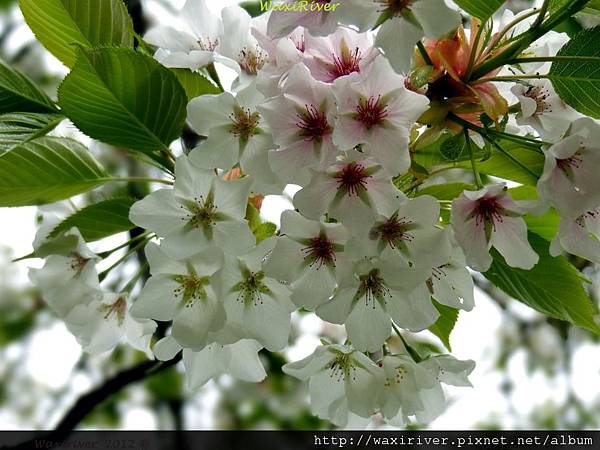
(491, 218)
(202, 210)
(341, 381)
(183, 291)
(372, 293)
(301, 121)
(306, 256)
(375, 109)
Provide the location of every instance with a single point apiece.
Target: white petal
(510, 239)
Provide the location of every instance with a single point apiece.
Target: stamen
(345, 64)
(394, 231)
(207, 44)
(539, 95)
(251, 289)
(488, 212)
(191, 288)
(202, 213)
(320, 251)
(372, 287)
(342, 368)
(313, 123)
(251, 61)
(371, 112)
(352, 179)
(245, 123)
(117, 309)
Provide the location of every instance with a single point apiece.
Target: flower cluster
(339, 103)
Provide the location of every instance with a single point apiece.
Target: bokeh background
(532, 372)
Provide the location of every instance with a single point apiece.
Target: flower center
(319, 251)
(245, 123)
(488, 212)
(202, 213)
(394, 231)
(313, 123)
(395, 7)
(77, 263)
(208, 44)
(299, 42)
(191, 288)
(251, 288)
(399, 374)
(346, 63)
(117, 309)
(539, 95)
(580, 221)
(372, 288)
(568, 164)
(342, 368)
(352, 179)
(251, 61)
(371, 112)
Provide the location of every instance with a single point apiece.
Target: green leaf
(62, 25)
(446, 191)
(447, 147)
(125, 99)
(195, 84)
(47, 170)
(544, 225)
(443, 327)
(99, 220)
(264, 230)
(553, 287)
(16, 128)
(18, 93)
(482, 9)
(253, 8)
(502, 166)
(578, 82)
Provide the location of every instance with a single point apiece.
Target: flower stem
(131, 284)
(542, 14)
(511, 78)
(511, 157)
(555, 58)
(125, 244)
(424, 54)
(411, 351)
(528, 143)
(476, 175)
(123, 258)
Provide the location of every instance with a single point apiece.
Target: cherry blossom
(491, 218)
(377, 110)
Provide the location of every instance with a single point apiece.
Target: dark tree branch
(89, 401)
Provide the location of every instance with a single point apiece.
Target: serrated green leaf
(99, 220)
(47, 170)
(553, 287)
(16, 128)
(578, 82)
(443, 327)
(63, 25)
(19, 93)
(195, 84)
(482, 9)
(125, 99)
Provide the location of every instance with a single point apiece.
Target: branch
(89, 401)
